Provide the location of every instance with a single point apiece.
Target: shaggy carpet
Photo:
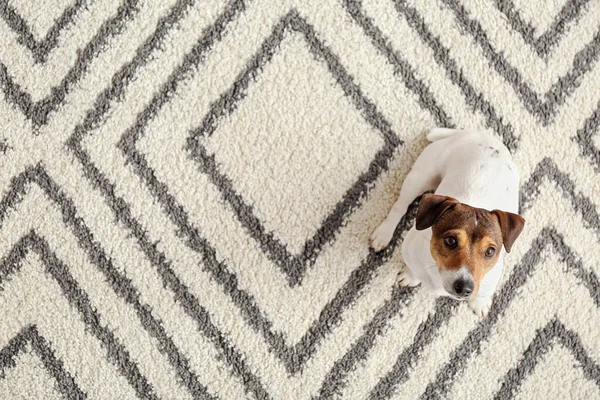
(187, 189)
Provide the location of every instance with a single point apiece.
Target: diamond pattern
(292, 264)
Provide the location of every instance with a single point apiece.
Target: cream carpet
(187, 189)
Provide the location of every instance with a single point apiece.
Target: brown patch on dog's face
(466, 241)
(466, 237)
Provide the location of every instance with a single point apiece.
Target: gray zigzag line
(538, 348)
(39, 49)
(472, 97)
(584, 139)
(119, 283)
(66, 385)
(558, 93)
(125, 75)
(38, 112)
(570, 12)
(548, 169)
(294, 266)
(428, 330)
(472, 344)
(116, 352)
(427, 100)
(122, 210)
(335, 380)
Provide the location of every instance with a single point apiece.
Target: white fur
(476, 169)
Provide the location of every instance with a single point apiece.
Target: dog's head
(466, 241)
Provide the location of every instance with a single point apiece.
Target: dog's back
(475, 168)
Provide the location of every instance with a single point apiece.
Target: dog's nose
(463, 287)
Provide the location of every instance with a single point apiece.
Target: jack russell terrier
(455, 247)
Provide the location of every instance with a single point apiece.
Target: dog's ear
(431, 208)
(511, 226)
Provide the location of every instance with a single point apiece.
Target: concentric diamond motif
(294, 197)
(293, 185)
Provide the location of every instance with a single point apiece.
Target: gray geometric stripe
(547, 170)
(444, 309)
(294, 266)
(38, 112)
(426, 98)
(39, 49)
(182, 294)
(29, 335)
(570, 13)
(549, 238)
(558, 93)
(94, 117)
(122, 78)
(585, 141)
(441, 54)
(122, 285)
(544, 340)
(335, 379)
(116, 352)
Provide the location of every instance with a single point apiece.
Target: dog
(457, 245)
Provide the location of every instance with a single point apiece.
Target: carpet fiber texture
(187, 189)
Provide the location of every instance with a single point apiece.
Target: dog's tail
(441, 133)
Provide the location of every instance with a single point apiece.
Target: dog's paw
(481, 306)
(404, 278)
(381, 236)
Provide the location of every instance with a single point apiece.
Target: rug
(187, 189)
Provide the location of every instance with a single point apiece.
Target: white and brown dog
(455, 247)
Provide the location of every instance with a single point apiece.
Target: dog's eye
(450, 241)
(489, 253)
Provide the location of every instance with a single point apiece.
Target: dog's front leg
(418, 181)
(481, 305)
(406, 278)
